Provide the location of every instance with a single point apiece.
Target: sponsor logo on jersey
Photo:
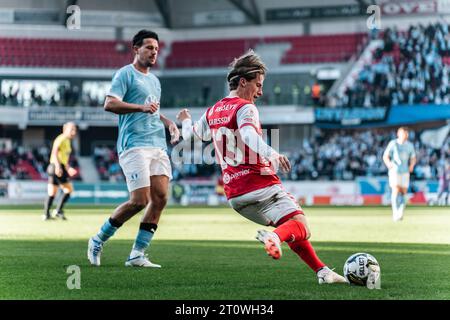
(227, 177)
(225, 107)
(151, 99)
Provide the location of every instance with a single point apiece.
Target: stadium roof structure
(177, 14)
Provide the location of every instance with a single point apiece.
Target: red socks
(294, 233)
(306, 252)
(291, 230)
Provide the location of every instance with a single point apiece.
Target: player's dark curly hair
(247, 66)
(139, 37)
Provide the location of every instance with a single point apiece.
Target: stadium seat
(59, 53)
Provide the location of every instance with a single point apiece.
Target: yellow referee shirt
(64, 150)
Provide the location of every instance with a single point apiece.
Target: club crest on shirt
(151, 98)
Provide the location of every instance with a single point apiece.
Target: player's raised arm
(200, 128)
(248, 122)
(120, 85)
(114, 105)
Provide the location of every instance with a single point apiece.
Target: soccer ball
(356, 268)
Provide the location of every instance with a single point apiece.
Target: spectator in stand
(316, 93)
(341, 155)
(408, 69)
(25, 163)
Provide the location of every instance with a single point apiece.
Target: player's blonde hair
(247, 66)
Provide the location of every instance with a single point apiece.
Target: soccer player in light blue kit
(134, 95)
(400, 158)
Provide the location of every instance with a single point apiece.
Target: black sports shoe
(60, 215)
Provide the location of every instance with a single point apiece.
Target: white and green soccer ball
(356, 268)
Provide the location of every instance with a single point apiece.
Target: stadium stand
(303, 49)
(411, 67)
(24, 163)
(107, 164)
(344, 155)
(327, 155)
(64, 53)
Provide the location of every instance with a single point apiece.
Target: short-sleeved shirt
(138, 129)
(400, 155)
(64, 150)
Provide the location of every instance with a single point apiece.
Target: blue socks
(398, 206)
(144, 236)
(108, 229)
(402, 201)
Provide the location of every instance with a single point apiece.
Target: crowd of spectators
(21, 163)
(328, 155)
(107, 164)
(341, 155)
(409, 68)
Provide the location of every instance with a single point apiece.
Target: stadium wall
(363, 191)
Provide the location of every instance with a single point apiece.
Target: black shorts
(54, 179)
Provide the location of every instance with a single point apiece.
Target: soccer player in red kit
(249, 165)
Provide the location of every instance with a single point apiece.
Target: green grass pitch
(210, 253)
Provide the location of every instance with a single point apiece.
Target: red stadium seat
(304, 49)
(63, 53)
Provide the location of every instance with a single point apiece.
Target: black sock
(48, 204)
(63, 200)
(150, 227)
(115, 223)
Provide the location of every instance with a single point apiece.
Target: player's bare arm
(55, 149)
(387, 161)
(412, 164)
(58, 170)
(173, 129)
(114, 105)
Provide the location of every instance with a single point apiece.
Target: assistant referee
(60, 172)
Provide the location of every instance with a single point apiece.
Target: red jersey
(243, 170)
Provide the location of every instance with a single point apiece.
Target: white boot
(139, 259)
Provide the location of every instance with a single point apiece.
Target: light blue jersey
(400, 155)
(138, 129)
